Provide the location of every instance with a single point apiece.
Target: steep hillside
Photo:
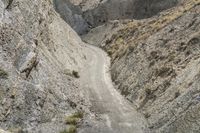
(40, 58)
(155, 64)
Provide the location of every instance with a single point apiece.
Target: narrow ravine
(119, 115)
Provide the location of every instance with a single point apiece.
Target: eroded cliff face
(125, 9)
(72, 14)
(38, 54)
(155, 64)
(83, 15)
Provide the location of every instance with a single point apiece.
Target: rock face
(98, 36)
(36, 49)
(72, 14)
(125, 9)
(87, 4)
(155, 61)
(83, 15)
(155, 64)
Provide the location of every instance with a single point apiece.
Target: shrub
(72, 129)
(148, 92)
(109, 53)
(147, 115)
(3, 74)
(73, 119)
(64, 131)
(71, 73)
(78, 114)
(177, 94)
(76, 74)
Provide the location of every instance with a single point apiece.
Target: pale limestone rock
(2, 131)
(29, 62)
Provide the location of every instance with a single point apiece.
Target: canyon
(99, 66)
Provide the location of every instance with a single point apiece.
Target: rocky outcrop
(98, 36)
(126, 9)
(2, 131)
(87, 4)
(155, 65)
(72, 14)
(83, 15)
(36, 48)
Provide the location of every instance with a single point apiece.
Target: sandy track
(119, 116)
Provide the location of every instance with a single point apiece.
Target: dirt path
(118, 114)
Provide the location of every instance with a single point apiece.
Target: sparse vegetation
(164, 72)
(74, 118)
(147, 115)
(75, 74)
(71, 73)
(149, 94)
(64, 131)
(148, 91)
(177, 94)
(72, 129)
(78, 114)
(109, 52)
(71, 120)
(125, 91)
(3, 74)
(143, 30)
